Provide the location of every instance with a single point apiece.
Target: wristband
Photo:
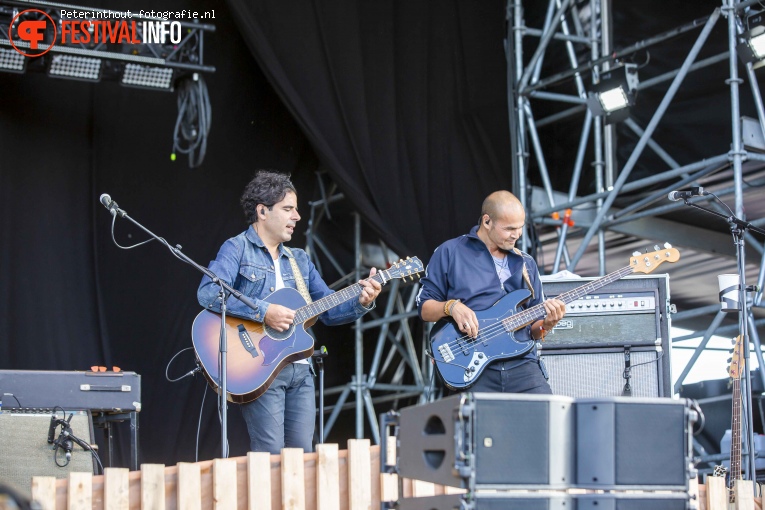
(449, 305)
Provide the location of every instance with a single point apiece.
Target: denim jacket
(245, 263)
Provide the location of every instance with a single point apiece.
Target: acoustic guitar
(257, 352)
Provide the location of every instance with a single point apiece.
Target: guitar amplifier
(48, 389)
(620, 330)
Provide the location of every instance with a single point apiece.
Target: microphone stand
(738, 229)
(225, 291)
(318, 356)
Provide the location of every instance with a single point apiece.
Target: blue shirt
(245, 263)
(462, 268)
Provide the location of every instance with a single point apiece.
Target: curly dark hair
(267, 187)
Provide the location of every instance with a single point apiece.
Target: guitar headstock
(736, 361)
(405, 268)
(648, 262)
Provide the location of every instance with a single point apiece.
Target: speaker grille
(25, 452)
(601, 374)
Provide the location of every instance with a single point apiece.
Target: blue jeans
(284, 416)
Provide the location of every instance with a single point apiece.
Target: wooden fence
(329, 479)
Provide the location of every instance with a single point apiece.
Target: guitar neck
(320, 306)
(533, 314)
(735, 434)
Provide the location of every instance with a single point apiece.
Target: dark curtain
(69, 298)
(404, 102)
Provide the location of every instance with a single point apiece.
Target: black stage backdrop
(402, 102)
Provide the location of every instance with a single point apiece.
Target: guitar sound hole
(279, 335)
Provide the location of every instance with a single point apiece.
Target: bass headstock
(648, 262)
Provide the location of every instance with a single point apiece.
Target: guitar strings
(466, 342)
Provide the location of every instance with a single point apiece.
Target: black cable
(167, 368)
(199, 423)
(194, 117)
(14, 397)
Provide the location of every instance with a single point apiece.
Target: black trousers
(525, 378)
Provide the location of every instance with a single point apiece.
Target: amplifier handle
(100, 387)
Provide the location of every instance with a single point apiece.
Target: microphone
(67, 445)
(696, 191)
(110, 204)
(52, 428)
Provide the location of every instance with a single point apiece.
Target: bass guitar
(256, 352)
(460, 359)
(735, 370)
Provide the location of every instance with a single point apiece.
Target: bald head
(501, 203)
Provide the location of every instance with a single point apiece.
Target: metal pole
(359, 336)
(670, 94)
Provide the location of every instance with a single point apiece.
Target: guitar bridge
(247, 343)
(446, 353)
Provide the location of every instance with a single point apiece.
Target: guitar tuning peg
(655, 247)
(667, 246)
(730, 359)
(409, 258)
(635, 253)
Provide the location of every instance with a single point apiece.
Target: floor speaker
(495, 440)
(625, 443)
(549, 501)
(25, 451)
(593, 373)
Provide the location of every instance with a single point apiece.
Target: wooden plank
(258, 481)
(116, 489)
(224, 484)
(293, 483)
(44, 491)
(359, 475)
(389, 487)
(80, 496)
(743, 491)
(422, 489)
(453, 490)
(717, 493)
(189, 488)
(327, 477)
(152, 487)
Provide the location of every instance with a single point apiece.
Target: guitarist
(472, 272)
(257, 263)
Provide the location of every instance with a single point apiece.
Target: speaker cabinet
(625, 443)
(25, 451)
(589, 373)
(491, 501)
(493, 440)
(549, 501)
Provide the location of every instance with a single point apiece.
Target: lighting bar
(77, 68)
(11, 61)
(136, 75)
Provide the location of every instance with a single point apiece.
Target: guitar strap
(525, 273)
(301, 286)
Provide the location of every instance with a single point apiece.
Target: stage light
(76, 68)
(751, 49)
(11, 61)
(615, 93)
(141, 76)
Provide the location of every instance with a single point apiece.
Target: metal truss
(397, 371)
(585, 28)
(111, 53)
